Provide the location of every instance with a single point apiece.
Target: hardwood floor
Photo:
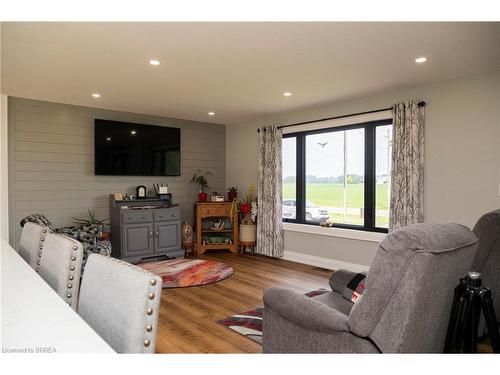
(188, 316)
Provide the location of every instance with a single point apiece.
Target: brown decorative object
(215, 211)
(189, 246)
(244, 246)
(187, 233)
(232, 194)
(106, 236)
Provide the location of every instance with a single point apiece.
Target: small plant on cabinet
(232, 193)
(201, 180)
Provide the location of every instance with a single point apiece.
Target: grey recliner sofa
(487, 260)
(404, 309)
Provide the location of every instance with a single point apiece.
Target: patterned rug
(181, 273)
(249, 323)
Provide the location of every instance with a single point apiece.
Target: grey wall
(462, 157)
(51, 161)
(4, 191)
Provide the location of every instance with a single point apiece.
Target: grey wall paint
(51, 160)
(4, 191)
(462, 160)
(331, 247)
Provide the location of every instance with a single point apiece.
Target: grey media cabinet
(138, 233)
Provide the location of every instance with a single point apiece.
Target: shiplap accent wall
(51, 162)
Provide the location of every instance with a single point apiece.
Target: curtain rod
(420, 104)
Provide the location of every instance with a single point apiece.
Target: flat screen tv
(128, 149)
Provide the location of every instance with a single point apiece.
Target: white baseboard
(328, 263)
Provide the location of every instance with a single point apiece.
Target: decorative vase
(232, 195)
(202, 196)
(187, 233)
(248, 232)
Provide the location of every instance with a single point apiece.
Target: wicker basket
(248, 232)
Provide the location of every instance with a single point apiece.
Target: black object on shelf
(471, 298)
(140, 192)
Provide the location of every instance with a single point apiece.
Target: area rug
(249, 323)
(182, 273)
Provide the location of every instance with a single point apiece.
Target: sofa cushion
(335, 301)
(308, 313)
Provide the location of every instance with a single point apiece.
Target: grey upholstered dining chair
(404, 309)
(121, 303)
(60, 265)
(30, 243)
(487, 260)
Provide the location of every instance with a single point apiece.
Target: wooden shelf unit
(215, 210)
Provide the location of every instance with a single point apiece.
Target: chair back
(60, 266)
(121, 303)
(30, 243)
(487, 260)
(409, 287)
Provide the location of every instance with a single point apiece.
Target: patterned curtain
(407, 178)
(269, 221)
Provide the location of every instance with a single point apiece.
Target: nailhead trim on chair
(42, 238)
(149, 324)
(71, 276)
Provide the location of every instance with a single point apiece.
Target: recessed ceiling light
(108, 139)
(287, 94)
(133, 132)
(420, 60)
(211, 113)
(154, 62)
(96, 95)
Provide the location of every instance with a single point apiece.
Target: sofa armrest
(304, 311)
(340, 279)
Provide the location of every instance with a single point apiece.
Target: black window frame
(370, 175)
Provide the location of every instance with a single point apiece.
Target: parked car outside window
(313, 212)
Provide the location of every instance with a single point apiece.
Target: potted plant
(200, 179)
(247, 207)
(91, 219)
(232, 193)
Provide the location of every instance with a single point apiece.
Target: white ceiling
(237, 70)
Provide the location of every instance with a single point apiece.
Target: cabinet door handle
(150, 234)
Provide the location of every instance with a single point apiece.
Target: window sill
(351, 234)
